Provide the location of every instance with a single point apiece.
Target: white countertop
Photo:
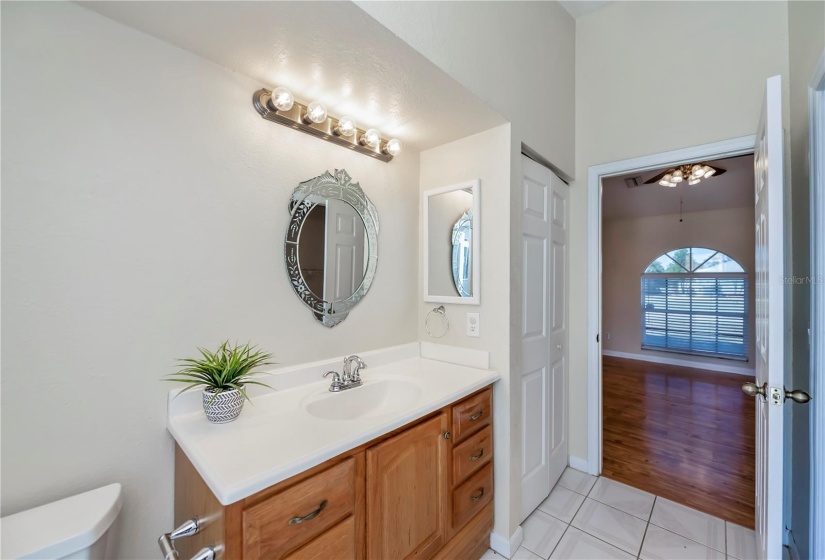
(276, 438)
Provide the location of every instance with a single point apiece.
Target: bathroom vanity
(403, 469)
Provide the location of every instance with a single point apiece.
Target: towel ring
(440, 311)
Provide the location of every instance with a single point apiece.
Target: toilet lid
(60, 528)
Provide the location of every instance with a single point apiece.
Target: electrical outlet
(473, 326)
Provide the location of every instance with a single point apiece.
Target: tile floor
(592, 518)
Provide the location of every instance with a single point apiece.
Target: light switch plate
(473, 325)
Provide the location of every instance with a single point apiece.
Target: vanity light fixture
(280, 106)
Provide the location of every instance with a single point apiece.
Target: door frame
(816, 131)
(716, 150)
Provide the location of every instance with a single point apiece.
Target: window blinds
(704, 314)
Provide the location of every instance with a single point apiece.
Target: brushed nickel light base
(294, 118)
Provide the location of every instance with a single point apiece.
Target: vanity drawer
(472, 414)
(472, 454)
(472, 496)
(285, 521)
(338, 543)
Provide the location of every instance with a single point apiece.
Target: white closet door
(543, 375)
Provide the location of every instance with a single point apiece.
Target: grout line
(558, 543)
(642, 545)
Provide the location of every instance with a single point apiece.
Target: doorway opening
(674, 327)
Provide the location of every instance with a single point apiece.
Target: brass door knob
(752, 389)
(798, 396)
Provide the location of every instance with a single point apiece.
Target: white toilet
(73, 528)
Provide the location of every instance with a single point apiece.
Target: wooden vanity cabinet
(422, 491)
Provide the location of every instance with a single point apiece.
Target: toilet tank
(78, 527)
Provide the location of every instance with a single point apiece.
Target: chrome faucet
(354, 376)
(351, 377)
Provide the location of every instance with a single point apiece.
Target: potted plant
(223, 375)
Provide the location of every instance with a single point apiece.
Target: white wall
(624, 109)
(516, 56)
(806, 30)
(144, 209)
(628, 247)
(485, 156)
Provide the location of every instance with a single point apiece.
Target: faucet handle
(336, 381)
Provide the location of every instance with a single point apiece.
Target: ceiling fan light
(694, 180)
(677, 176)
(709, 171)
(671, 184)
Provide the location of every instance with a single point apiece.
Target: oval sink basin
(372, 399)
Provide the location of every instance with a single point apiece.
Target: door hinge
(777, 396)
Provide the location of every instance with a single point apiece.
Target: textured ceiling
(734, 189)
(332, 52)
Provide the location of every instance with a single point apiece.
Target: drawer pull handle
(477, 456)
(477, 415)
(313, 515)
(478, 496)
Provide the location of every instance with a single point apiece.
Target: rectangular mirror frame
(475, 185)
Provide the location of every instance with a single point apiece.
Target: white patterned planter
(224, 407)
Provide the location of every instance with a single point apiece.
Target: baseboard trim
(504, 546)
(679, 362)
(579, 464)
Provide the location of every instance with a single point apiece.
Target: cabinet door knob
(477, 415)
(446, 435)
(478, 496)
(309, 516)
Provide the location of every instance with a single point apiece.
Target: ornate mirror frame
(462, 227)
(339, 186)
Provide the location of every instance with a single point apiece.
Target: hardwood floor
(684, 434)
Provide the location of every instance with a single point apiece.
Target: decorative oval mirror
(463, 254)
(331, 247)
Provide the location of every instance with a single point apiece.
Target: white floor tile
(741, 542)
(562, 503)
(611, 525)
(578, 545)
(542, 533)
(621, 496)
(661, 544)
(524, 554)
(577, 481)
(491, 555)
(690, 523)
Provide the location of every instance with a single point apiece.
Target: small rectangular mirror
(452, 226)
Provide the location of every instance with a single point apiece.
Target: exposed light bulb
(371, 138)
(709, 171)
(281, 99)
(346, 127)
(393, 147)
(316, 113)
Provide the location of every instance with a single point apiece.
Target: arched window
(695, 301)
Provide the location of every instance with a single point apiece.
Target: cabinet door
(407, 493)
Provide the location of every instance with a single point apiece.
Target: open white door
(544, 333)
(770, 324)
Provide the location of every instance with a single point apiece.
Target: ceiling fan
(690, 172)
